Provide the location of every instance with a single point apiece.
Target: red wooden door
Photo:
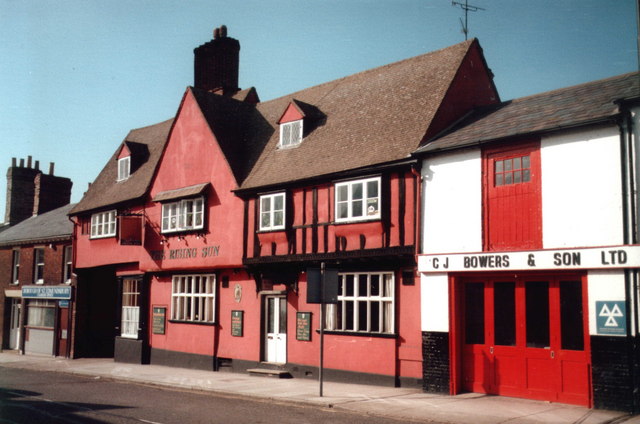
(526, 338)
(513, 201)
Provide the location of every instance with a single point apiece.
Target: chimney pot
(216, 33)
(37, 165)
(51, 166)
(21, 163)
(14, 162)
(223, 31)
(29, 161)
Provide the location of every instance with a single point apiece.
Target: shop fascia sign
(627, 256)
(46, 292)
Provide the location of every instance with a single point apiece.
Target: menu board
(237, 318)
(303, 326)
(159, 318)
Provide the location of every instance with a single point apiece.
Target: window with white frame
(68, 265)
(130, 308)
(103, 224)
(183, 215)
(193, 298)
(272, 211)
(358, 200)
(15, 267)
(291, 133)
(365, 304)
(41, 313)
(38, 265)
(124, 168)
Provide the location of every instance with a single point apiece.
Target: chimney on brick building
(216, 64)
(31, 192)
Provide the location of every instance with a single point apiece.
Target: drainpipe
(627, 150)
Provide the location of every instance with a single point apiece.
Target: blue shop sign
(46, 292)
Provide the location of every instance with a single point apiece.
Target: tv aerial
(467, 8)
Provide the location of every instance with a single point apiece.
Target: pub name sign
(627, 256)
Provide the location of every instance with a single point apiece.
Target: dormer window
(124, 168)
(291, 125)
(291, 133)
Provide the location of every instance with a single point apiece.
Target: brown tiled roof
(373, 117)
(106, 191)
(239, 128)
(564, 108)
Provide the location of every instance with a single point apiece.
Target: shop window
(571, 315)
(38, 265)
(193, 298)
(183, 215)
(68, 264)
(358, 200)
(513, 199)
(103, 224)
(41, 313)
(474, 313)
(15, 268)
(537, 314)
(504, 312)
(124, 168)
(272, 211)
(291, 133)
(365, 304)
(130, 308)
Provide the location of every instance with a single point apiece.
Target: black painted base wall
(130, 351)
(612, 373)
(209, 363)
(435, 362)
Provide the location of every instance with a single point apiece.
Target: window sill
(101, 237)
(360, 334)
(175, 321)
(271, 230)
(357, 221)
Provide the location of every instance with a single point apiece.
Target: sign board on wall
(303, 326)
(46, 292)
(611, 317)
(627, 256)
(237, 323)
(159, 319)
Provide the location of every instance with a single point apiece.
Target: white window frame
(268, 211)
(15, 267)
(124, 168)
(104, 224)
(367, 200)
(67, 264)
(345, 316)
(183, 215)
(41, 313)
(193, 298)
(130, 319)
(290, 133)
(38, 265)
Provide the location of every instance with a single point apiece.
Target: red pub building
(193, 243)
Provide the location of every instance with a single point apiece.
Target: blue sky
(77, 75)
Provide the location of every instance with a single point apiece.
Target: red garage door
(525, 337)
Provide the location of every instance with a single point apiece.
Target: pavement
(391, 402)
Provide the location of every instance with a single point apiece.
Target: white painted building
(529, 264)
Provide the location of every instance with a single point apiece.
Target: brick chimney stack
(216, 64)
(30, 192)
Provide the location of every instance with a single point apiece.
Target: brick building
(36, 262)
